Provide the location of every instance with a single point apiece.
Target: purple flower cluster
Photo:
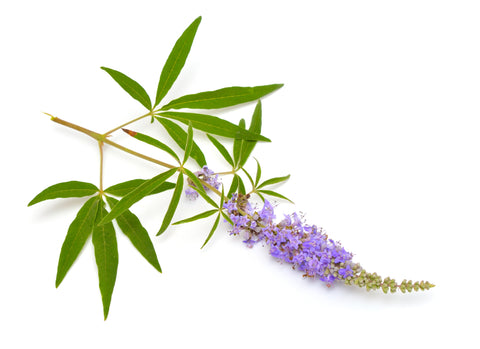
(304, 246)
(206, 175)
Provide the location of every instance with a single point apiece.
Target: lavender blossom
(306, 247)
(206, 175)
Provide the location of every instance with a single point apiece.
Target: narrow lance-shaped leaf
(173, 205)
(241, 186)
(274, 180)
(176, 60)
(255, 127)
(233, 186)
(275, 194)
(106, 257)
(214, 125)
(237, 146)
(122, 189)
(196, 217)
(222, 98)
(78, 232)
(189, 143)
(136, 195)
(152, 141)
(132, 87)
(215, 225)
(72, 189)
(249, 178)
(138, 235)
(221, 149)
(259, 173)
(180, 137)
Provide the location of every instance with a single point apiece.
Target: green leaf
(73, 189)
(214, 125)
(237, 146)
(198, 187)
(132, 87)
(221, 149)
(233, 186)
(189, 143)
(222, 98)
(137, 194)
(241, 185)
(273, 181)
(106, 257)
(173, 204)
(249, 177)
(196, 217)
(260, 195)
(78, 232)
(138, 235)
(180, 137)
(255, 127)
(176, 60)
(215, 225)
(122, 189)
(152, 141)
(259, 173)
(228, 219)
(272, 193)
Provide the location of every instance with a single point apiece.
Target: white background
(377, 124)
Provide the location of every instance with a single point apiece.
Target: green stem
(128, 123)
(104, 139)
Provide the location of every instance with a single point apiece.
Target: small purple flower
(206, 175)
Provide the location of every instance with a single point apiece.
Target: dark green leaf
(272, 193)
(215, 225)
(221, 149)
(198, 187)
(176, 60)
(132, 87)
(137, 194)
(78, 233)
(138, 235)
(273, 181)
(228, 219)
(106, 257)
(241, 186)
(122, 189)
(259, 173)
(152, 141)
(173, 204)
(233, 186)
(222, 98)
(73, 189)
(255, 127)
(196, 217)
(237, 146)
(189, 143)
(214, 125)
(180, 137)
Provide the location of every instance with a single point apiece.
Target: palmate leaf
(180, 137)
(221, 149)
(136, 195)
(214, 125)
(122, 189)
(173, 205)
(152, 141)
(138, 235)
(132, 87)
(106, 257)
(78, 232)
(176, 60)
(222, 98)
(72, 189)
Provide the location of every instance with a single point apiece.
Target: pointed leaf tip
(129, 132)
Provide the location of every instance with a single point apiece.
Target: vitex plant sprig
(291, 240)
